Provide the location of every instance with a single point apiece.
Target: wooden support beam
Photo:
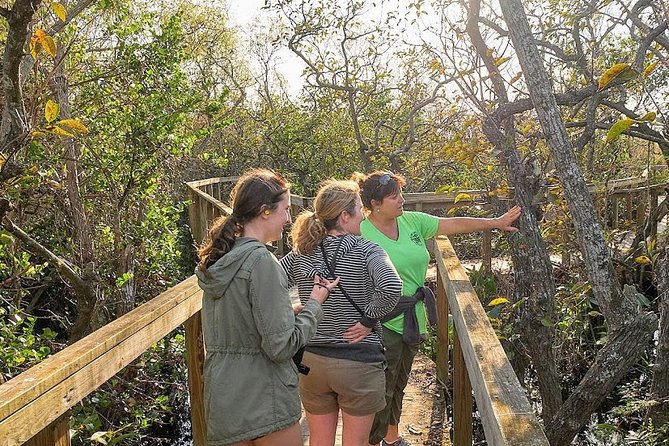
(442, 331)
(195, 359)
(55, 434)
(462, 398)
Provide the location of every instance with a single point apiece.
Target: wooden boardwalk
(424, 419)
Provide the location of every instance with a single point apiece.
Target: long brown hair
(255, 189)
(333, 198)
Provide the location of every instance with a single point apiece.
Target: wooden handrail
(32, 400)
(506, 414)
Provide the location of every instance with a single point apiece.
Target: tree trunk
(14, 124)
(534, 284)
(612, 362)
(81, 229)
(622, 314)
(659, 390)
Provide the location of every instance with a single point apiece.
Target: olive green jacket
(251, 334)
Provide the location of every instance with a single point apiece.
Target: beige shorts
(357, 388)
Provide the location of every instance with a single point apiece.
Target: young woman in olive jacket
(251, 333)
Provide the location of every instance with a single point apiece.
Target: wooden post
(641, 198)
(194, 219)
(195, 360)
(55, 434)
(486, 250)
(462, 398)
(654, 193)
(442, 331)
(628, 206)
(614, 212)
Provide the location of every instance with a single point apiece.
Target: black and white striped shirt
(369, 279)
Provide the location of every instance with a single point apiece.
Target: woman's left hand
(356, 333)
(505, 221)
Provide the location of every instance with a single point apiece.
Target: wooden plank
(615, 209)
(27, 386)
(199, 183)
(463, 432)
(486, 250)
(496, 388)
(442, 331)
(49, 405)
(55, 434)
(195, 361)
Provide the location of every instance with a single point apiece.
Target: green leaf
(546, 322)
(618, 128)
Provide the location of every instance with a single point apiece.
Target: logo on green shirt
(416, 238)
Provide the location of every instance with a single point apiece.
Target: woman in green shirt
(402, 235)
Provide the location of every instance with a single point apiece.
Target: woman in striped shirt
(345, 357)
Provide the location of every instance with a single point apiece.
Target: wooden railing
(34, 405)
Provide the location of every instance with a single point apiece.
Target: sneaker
(399, 442)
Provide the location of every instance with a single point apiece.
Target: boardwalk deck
(424, 420)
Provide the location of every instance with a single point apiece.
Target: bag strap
(331, 268)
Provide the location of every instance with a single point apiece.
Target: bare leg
(355, 430)
(290, 436)
(393, 433)
(322, 428)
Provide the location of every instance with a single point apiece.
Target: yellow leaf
(620, 73)
(60, 10)
(60, 131)
(516, 77)
(650, 117)
(37, 134)
(498, 301)
(51, 110)
(49, 45)
(36, 42)
(649, 69)
(643, 260)
(74, 124)
(501, 60)
(462, 196)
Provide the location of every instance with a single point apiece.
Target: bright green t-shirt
(409, 256)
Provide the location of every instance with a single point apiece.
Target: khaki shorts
(357, 388)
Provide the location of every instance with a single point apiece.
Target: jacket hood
(218, 277)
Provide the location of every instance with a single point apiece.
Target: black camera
(297, 359)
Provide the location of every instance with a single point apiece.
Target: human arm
(460, 225)
(282, 332)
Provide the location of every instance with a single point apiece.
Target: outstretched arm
(460, 225)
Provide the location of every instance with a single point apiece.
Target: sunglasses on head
(385, 179)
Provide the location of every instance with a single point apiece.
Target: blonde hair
(333, 198)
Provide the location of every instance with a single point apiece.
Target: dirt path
(424, 414)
